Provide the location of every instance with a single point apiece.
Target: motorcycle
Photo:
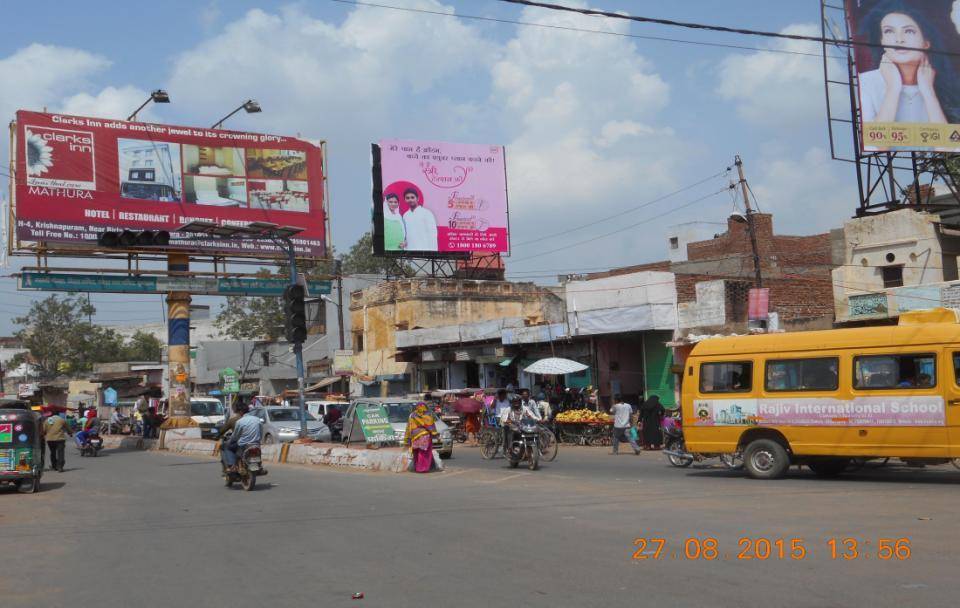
(92, 445)
(675, 448)
(525, 445)
(249, 467)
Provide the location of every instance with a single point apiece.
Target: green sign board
(52, 281)
(230, 381)
(374, 423)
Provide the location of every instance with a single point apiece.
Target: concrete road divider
(319, 454)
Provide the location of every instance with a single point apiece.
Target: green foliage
(360, 258)
(60, 338)
(143, 347)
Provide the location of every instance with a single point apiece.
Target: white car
(282, 424)
(208, 413)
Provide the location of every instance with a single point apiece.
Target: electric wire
(583, 30)
(625, 212)
(718, 28)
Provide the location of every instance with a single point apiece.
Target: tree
(61, 339)
(142, 347)
(251, 318)
(360, 258)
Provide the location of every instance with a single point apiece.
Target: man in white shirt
(512, 417)
(621, 424)
(421, 226)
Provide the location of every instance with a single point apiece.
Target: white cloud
(583, 109)
(40, 75)
(111, 102)
(777, 89)
(311, 75)
(805, 192)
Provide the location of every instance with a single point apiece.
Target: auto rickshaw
(21, 447)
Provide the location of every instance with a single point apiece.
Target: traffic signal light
(130, 238)
(294, 313)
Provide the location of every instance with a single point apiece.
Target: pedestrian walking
(142, 408)
(419, 437)
(651, 413)
(621, 424)
(55, 431)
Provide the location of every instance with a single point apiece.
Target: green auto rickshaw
(21, 447)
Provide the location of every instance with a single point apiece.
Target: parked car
(208, 413)
(282, 424)
(398, 411)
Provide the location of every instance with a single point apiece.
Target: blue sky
(594, 124)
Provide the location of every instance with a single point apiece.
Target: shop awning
(322, 384)
(506, 362)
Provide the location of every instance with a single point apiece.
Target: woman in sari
(421, 431)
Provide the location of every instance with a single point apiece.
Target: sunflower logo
(39, 154)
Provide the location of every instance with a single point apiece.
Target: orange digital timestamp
(709, 548)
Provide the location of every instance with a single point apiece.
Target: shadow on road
(887, 474)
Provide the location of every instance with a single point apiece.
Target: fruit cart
(584, 427)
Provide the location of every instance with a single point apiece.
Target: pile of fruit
(584, 417)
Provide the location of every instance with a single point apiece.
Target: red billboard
(78, 177)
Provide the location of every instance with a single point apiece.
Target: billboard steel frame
(885, 180)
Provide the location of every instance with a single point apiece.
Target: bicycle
(549, 445)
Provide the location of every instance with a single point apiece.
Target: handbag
(632, 433)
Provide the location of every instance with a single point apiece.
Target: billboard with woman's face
(908, 69)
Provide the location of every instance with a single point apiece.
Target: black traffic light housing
(130, 238)
(295, 314)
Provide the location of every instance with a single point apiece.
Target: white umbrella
(555, 366)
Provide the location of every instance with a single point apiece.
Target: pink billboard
(440, 197)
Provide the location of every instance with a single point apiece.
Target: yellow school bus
(822, 398)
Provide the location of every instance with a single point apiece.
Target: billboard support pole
(178, 348)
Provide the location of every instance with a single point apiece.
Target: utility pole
(751, 228)
(297, 344)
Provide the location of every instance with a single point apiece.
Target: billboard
(909, 97)
(439, 198)
(78, 177)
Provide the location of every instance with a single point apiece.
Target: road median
(395, 460)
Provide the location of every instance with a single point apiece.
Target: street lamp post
(251, 107)
(158, 96)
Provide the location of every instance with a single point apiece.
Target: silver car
(282, 424)
(398, 411)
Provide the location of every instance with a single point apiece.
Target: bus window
(956, 368)
(803, 374)
(894, 371)
(733, 377)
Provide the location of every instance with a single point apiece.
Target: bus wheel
(831, 467)
(765, 459)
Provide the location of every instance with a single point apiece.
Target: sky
(595, 125)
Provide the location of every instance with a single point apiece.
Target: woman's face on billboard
(897, 29)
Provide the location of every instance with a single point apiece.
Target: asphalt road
(146, 529)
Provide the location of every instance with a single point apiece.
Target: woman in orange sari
(419, 436)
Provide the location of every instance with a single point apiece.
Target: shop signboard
(909, 96)
(77, 177)
(439, 198)
(230, 381)
(52, 281)
(343, 363)
(109, 396)
(374, 423)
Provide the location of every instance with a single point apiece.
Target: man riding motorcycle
(246, 432)
(510, 420)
